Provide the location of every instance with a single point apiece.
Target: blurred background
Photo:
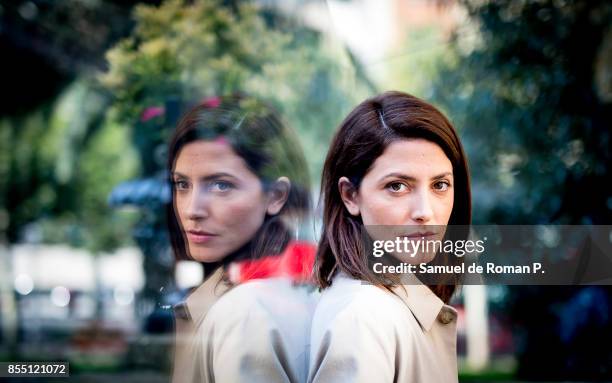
(92, 89)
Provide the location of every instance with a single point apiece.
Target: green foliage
(521, 85)
(58, 167)
(189, 50)
(521, 91)
(108, 160)
(59, 163)
(27, 188)
(412, 68)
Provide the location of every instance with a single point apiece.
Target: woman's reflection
(239, 193)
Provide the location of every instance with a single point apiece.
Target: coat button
(446, 316)
(181, 311)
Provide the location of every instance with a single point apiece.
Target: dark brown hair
(361, 138)
(270, 149)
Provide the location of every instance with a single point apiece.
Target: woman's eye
(397, 187)
(221, 186)
(181, 185)
(441, 186)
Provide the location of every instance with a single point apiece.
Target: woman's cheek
(240, 214)
(381, 212)
(180, 208)
(444, 210)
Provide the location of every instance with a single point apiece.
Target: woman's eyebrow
(207, 177)
(179, 175)
(442, 175)
(413, 179)
(217, 175)
(398, 175)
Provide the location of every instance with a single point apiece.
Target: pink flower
(211, 102)
(151, 112)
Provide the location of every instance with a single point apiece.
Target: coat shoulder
(355, 303)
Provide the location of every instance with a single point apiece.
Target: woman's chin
(206, 256)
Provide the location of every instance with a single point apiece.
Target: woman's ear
(349, 195)
(278, 195)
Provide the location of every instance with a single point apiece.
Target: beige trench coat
(362, 333)
(258, 331)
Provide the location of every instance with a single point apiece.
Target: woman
(239, 186)
(395, 162)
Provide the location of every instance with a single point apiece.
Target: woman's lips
(199, 236)
(420, 235)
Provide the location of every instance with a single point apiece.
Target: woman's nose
(199, 205)
(421, 211)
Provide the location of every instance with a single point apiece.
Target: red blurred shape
(295, 262)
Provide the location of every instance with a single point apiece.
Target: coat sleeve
(356, 347)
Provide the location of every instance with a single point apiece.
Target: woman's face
(219, 201)
(409, 185)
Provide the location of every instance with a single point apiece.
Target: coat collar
(422, 302)
(204, 296)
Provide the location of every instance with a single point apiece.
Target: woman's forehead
(209, 156)
(416, 156)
